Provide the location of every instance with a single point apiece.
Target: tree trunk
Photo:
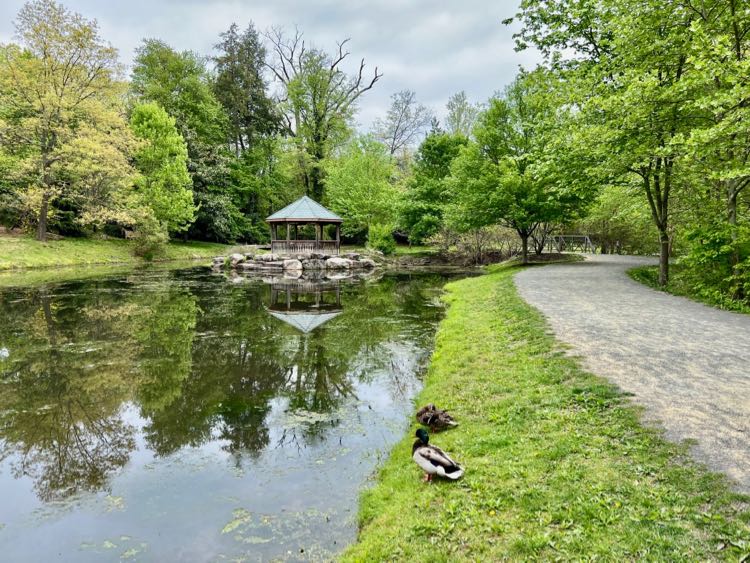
(732, 218)
(41, 232)
(525, 248)
(663, 258)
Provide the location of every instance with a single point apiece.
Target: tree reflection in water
(200, 359)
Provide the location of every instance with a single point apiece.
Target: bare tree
(317, 99)
(405, 121)
(461, 114)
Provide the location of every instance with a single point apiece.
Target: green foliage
(558, 466)
(180, 83)
(718, 262)
(151, 237)
(619, 219)
(241, 88)
(359, 188)
(380, 237)
(61, 120)
(319, 103)
(426, 196)
(164, 185)
(503, 176)
(657, 88)
(11, 206)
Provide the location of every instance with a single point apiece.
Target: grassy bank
(680, 284)
(558, 465)
(25, 252)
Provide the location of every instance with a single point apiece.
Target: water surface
(184, 415)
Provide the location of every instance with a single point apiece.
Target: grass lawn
(558, 466)
(401, 249)
(679, 284)
(25, 252)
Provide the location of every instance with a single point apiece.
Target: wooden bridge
(570, 243)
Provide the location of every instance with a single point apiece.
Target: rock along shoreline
(291, 263)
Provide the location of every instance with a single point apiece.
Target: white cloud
(434, 47)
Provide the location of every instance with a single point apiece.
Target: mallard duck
(435, 418)
(433, 460)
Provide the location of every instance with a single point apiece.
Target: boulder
(338, 264)
(319, 256)
(295, 265)
(313, 264)
(248, 265)
(352, 255)
(367, 263)
(220, 259)
(236, 259)
(267, 257)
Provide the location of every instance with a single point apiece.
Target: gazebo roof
(305, 209)
(305, 322)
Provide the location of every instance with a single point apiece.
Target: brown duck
(437, 419)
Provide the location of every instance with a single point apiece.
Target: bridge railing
(571, 243)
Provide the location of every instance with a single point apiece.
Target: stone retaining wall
(294, 263)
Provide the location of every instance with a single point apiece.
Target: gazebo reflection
(305, 304)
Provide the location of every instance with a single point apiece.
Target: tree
(179, 82)
(630, 60)
(501, 177)
(462, 114)
(164, 184)
(620, 220)
(241, 88)
(317, 100)
(718, 147)
(57, 91)
(358, 186)
(405, 121)
(426, 195)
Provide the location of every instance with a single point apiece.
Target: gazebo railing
(305, 246)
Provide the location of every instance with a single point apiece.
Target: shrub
(718, 263)
(11, 210)
(150, 237)
(380, 237)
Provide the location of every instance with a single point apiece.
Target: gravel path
(687, 363)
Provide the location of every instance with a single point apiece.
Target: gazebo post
(338, 237)
(288, 232)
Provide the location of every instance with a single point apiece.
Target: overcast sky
(434, 47)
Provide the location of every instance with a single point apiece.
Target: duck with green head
(433, 460)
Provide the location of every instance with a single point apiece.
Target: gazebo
(304, 211)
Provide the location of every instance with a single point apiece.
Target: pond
(184, 414)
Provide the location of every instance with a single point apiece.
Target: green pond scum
(178, 414)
